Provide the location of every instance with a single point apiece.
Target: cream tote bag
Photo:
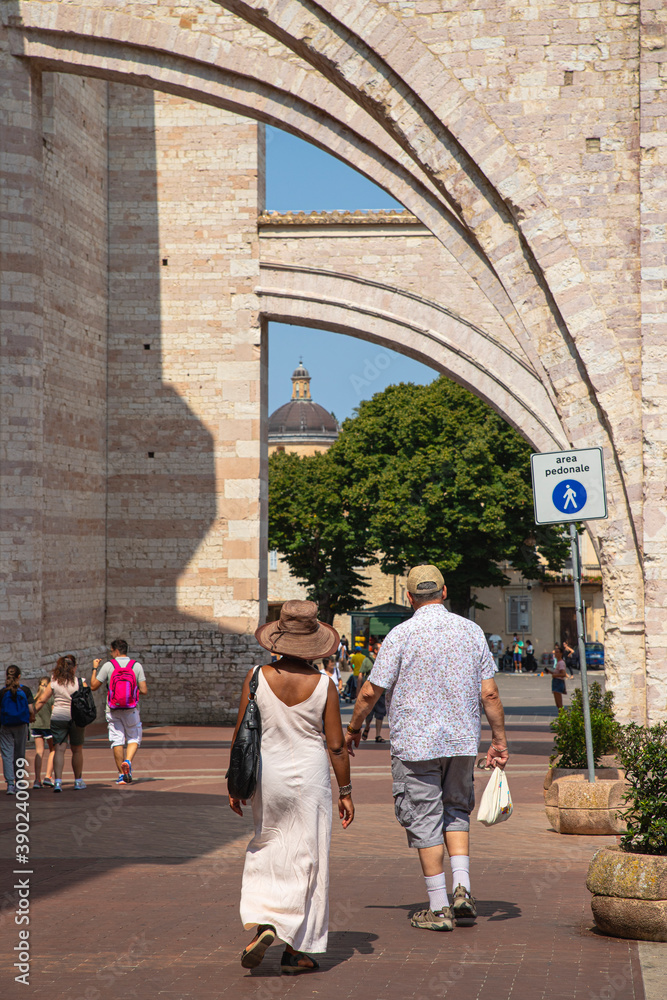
(496, 805)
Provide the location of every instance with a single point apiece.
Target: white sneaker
(79, 783)
(11, 788)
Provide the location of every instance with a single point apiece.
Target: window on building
(519, 613)
(273, 559)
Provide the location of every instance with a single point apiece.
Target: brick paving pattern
(135, 889)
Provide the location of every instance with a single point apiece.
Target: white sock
(460, 871)
(436, 887)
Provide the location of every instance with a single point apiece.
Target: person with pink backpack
(125, 680)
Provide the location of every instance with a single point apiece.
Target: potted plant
(629, 882)
(573, 804)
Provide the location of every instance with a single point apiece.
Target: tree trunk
(460, 600)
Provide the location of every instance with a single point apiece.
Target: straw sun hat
(298, 633)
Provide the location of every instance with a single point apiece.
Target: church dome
(302, 418)
(302, 421)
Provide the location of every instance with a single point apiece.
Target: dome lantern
(300, 382)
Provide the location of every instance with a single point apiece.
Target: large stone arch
(397, 112)
(423, 329)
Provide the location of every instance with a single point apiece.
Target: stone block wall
(185, 372)
(74, 118)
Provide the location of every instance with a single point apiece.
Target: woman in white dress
(285, 890)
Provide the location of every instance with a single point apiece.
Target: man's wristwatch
(353, 732)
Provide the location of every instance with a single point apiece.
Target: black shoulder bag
(244, 759)
(83, 706)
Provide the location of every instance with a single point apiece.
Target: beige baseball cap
(423, 580)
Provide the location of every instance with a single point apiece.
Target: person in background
(16, 711)
(41, 733)
(332, 670)
(559, 673)
(62, 686)
(530, 663)
(342, 653)
(356, 659)
(571, 657)
(125, 680)
(496, 646)
(517, 654)
(378, 712)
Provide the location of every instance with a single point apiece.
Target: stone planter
(605, 772)
(575, 806)
(629, 894)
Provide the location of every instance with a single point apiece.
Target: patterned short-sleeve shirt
(432, 668)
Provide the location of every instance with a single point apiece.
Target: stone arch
(439, 153)
(77, 38)
(422, 329)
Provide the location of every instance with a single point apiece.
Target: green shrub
(570, 740)
(643, 753)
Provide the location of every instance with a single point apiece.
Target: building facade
(140, 269)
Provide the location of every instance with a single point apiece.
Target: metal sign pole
(576, 573)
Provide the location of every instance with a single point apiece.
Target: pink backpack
(123, 687)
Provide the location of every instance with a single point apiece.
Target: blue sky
(344, 370)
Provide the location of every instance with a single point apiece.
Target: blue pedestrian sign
(569, 496)
(568, 486)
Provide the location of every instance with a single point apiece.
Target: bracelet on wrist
(353, 732)
(344, 791)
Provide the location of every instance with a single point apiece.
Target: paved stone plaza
(135, 889)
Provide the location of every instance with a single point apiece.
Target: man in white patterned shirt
(437, 670)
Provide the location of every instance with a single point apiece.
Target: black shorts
(558, 685)
(63, 728)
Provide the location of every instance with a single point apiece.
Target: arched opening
(578, 383)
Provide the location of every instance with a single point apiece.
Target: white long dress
(286, 872)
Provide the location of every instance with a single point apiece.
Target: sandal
(380, 739)
(289, 964)
(254, 953)
(364, 735)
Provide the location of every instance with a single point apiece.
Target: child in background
(41, 733)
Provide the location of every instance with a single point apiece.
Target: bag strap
(80, 679)
(116, 664)
(130, 664)
(254, 681)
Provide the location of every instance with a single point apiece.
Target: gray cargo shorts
(433, 796)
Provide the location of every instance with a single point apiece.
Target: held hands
(345, 810)
(235, 805)
(497, 756)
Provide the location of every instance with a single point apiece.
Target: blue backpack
(14, 708)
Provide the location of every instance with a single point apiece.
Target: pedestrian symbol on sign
(569, 496)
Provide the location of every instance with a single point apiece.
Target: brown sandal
(254, 953)
(289, 963)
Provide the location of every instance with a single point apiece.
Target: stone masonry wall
(75, 349)
(185, 478)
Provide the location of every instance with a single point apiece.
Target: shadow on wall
(161, 469)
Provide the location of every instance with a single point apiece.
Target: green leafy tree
(311, 528)
(437, 476)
